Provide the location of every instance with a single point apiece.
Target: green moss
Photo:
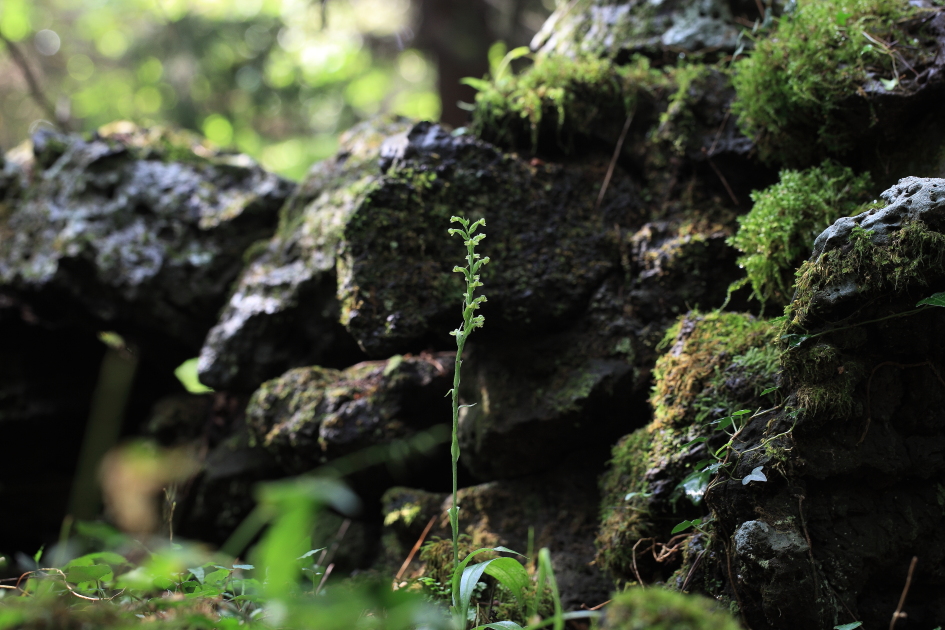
(677, 123)
(690, 378)
(778, 233)
(910, 257)
(792, 88)
(659, 609)
(715, 364)
(625, 515)
(556, 88)
(822, 375)
(563, 97)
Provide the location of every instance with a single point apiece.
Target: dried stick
(613, 160)
(902, 598)
(416, 547)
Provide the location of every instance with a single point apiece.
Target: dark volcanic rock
(309, 416)
(137, 230)
(364, 242)
(854, 454)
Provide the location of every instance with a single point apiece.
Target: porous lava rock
(364, 242)
(137, 230)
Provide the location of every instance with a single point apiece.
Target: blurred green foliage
(277, 79)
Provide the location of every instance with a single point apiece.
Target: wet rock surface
(137, 230)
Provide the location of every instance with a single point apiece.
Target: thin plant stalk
(470, 323)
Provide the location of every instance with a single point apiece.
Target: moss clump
(658, 609)
(563, 97)
(625, 516)
(823, 376)
(779, 232)
(561, 89)
(691, 379)
(715, 364)
(791, 89)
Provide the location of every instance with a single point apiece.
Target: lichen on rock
(140, 230)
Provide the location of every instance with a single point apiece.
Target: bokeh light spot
(148, 99)
(47, 42)
(80, 67)
(112, 44)
(218, 130)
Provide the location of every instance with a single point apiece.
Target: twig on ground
(633, 555)
(416, 547)
(902, 598)
(692, 570)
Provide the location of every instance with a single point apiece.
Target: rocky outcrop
(823, 499)
(653, 28)
(135, 230)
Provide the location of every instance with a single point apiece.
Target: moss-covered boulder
(715, 365)
(137, 230)
(660, 609)
(311, 415)
(854, 79)
(852, 456)
(364, 243)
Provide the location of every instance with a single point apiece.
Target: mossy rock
(660, 609)
(714, 365)
(861, 410)
(568, 105)
(311, 415)
(825, 78)
(364, 243)
(875, 257)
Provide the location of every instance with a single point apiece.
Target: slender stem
(454, 448)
